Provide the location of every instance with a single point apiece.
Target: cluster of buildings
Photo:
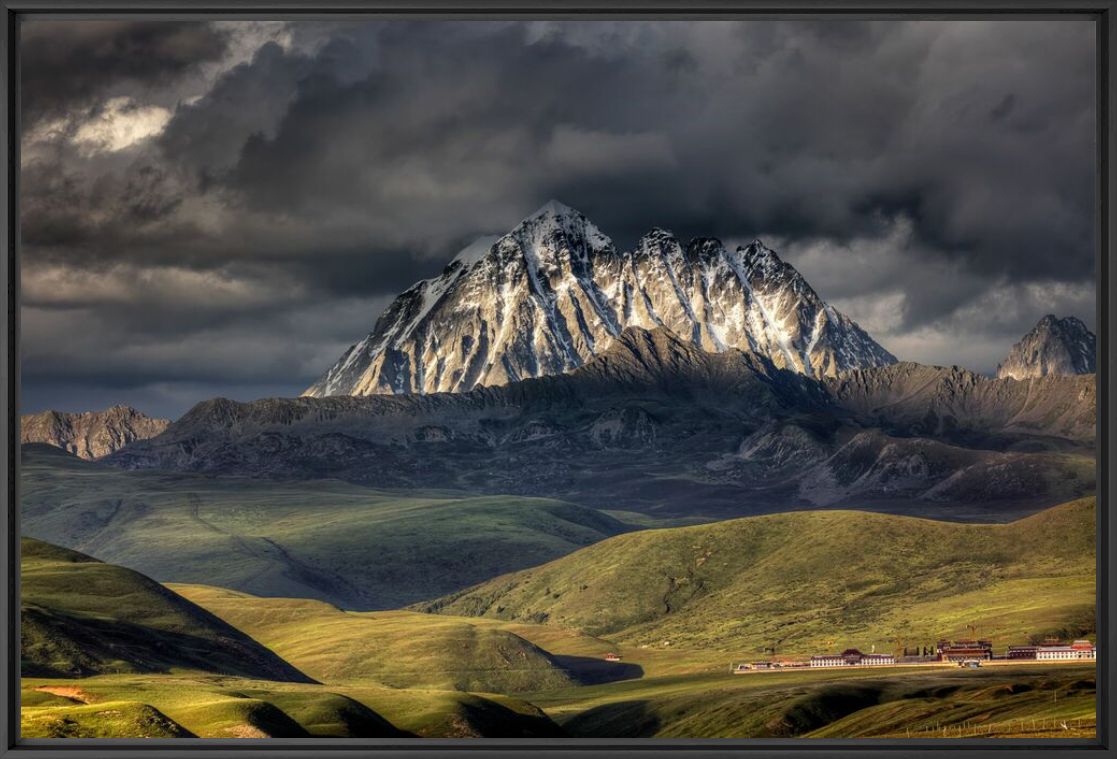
(851, 657)
(964, 652)
(1055, 651)
(1050, 650)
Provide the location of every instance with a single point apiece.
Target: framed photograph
(407, 378)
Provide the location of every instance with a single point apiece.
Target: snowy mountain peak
(554, 208)
(1053, 346)
(555, 292)
(475, 251)
(757, 255)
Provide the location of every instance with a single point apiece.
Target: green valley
(525, 654)
(357, 547)
(396, 648)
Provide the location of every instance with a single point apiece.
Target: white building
(873, 660)
(1080, 649)
(852, 658)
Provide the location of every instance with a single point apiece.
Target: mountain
(804, 582)
(957, 405)
(555, 292)
(655, 424)
(90, 434)
(1054, 346)
(79, 616)
(296, 539)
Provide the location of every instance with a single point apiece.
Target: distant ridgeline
(657, 424)
(680, 379)
(90, 434)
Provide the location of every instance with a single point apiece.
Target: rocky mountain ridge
(656, 424)
(90, 434)
(555, 292)
(1054, 346)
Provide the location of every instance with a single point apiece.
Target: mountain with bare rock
(662, 426)
(1054, 346)
(555, 292)
(90, 434)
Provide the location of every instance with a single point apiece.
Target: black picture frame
(1104, 14)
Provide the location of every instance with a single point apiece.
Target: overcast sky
(222, 208)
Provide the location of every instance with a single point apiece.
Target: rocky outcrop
(955, 403)
(90, 434)
(1054, 346)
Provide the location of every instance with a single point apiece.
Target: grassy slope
(162, 651)
(394, 648)
(995, 701)
(221, 707)
(1028, 576)
(682, 693)
(80, 616)
(356, 547)
(811, 581)
(113, 719)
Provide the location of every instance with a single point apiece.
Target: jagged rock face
(90, 434)
(1054, 346)
(555, 292)
(913, 399)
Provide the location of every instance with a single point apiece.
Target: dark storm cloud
(916, 172)
(68, 65)
(818, 129)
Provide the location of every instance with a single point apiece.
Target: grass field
(223, 707)
(356, 547)
(510, 671)
(394, 648)
(807, 582)
(107, 652)
(417, 650)
(1053, 700)
(834, 703)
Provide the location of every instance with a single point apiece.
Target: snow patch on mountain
(555, 292)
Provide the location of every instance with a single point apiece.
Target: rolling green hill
(79, 616)
(108, 652)
(172, 705)
(807, 582)
(395, 648)
(352, 546)
(385, 673)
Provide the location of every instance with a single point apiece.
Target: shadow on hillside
(626, 719)
(56, 644)
(590, 671)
